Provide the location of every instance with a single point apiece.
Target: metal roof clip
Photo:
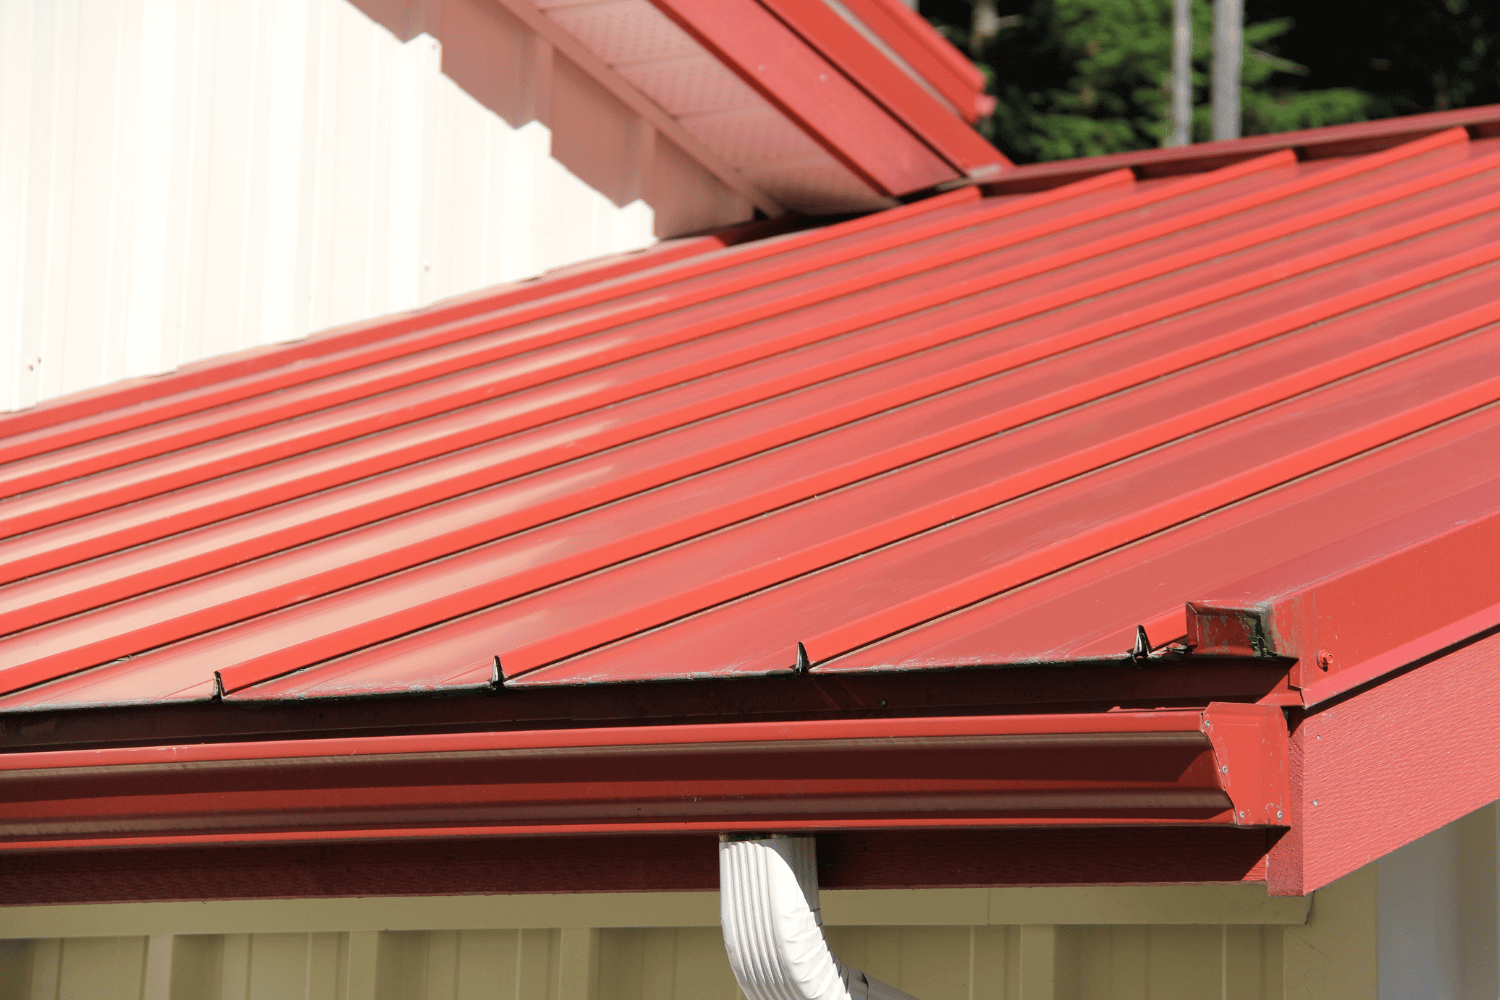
(218, 686)
(803, 663)
(1143, 651)
(497, 678)
(1142, 648)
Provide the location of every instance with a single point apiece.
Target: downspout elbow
(773, 927)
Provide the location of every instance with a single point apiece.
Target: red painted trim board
(1378, 769)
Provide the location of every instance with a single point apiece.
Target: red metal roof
(974, 429)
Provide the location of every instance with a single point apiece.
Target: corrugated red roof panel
(973, 429)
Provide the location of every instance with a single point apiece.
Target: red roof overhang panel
(1222, 765)
(1091, 611)
(1362, 606)
(998, 431)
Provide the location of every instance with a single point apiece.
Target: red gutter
(1223, 765)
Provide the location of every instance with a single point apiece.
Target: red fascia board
(1376, 770)
(927, 52)
(1361, 607)
(1219, 765)
(937, 126)
(874, 859)
(1310, 144)
(812, 93)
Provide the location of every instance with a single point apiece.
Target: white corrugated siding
(184, 178)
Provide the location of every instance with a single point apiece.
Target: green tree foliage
(1084, 77)
(1404, 56)
(1268, 100)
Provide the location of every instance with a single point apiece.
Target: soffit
(644, 47)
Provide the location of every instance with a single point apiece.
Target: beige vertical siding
(1033, 962)
(184, 178)
(335, 949)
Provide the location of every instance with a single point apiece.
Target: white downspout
(773, 928)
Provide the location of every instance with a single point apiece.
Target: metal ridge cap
(1317, 143)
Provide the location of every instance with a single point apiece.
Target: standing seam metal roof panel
(973, 429)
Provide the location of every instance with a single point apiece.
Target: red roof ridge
(1331, 141)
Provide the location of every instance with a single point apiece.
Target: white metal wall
(184, 178)
(1440, 913)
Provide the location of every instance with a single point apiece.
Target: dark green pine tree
(1084, 77)
(1405, 56)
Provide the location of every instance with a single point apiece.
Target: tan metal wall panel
(1029, 962)
(934, 963)
(517, 955)
(1203, 904)
(686, 963)
(185, 178)
(539, 947)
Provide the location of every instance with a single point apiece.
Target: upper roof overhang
(817, 107)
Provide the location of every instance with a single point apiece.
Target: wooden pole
(1229, 23)
(1182, 74)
